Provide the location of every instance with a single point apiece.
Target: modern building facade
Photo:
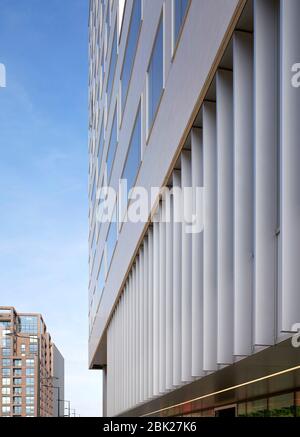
(31, 366)
(202, 94)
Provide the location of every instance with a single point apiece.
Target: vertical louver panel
(243, 192)
(225, 215)
(156, 308)
(145, 322)
(210, 237)
(150, 310)
(169, 295)
(197, 254)
(290, 155)
(186, 295)
(177, 233)
(162, 299)
(266, 143)
(141, 324)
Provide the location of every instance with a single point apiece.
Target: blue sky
(43, 177)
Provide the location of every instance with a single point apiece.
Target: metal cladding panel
(150, 311)
(177, 283)
(162, 299)
(243, 191)
(186, 260)
(197, 254)
(225, 216)
(266, 116)
(169, 298)
(156, 269)
(290, 163)
(210, 238)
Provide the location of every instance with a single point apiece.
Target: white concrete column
(290, 164)
(225, 216)
(243, 192)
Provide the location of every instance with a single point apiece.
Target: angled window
(155, 75)
(112, 67)
(180, 9)
(131, 46)
(133, 160)
(101, 146)
(112, 146)
(111, 240)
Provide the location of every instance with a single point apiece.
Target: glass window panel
(180, 7)
(257, 408)
(134, 29)
(111, 241)
(101, 279)
(282, 406)
(155, 75)
(112, 146)
(134, 155)
(100, 149)
(112, 67)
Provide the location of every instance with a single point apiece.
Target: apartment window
(112, 67)
(5, 410)
(33, 339)
(29, 381)
(30, 362)
(132, 40)
(6, 372)
(28, 324)
(6, 342)
(17, 381)
(6, 352)
(17, 400)
(29, 372)
(23, 348)
(17, 363)
(17, 372)
(155, 75)
(6, 362)
(30, 390)
(5, 381)
(133, 160)
(18, 391)
(180, 9)
(5, 390)
(30, 410)
(111, 240)
(29, 400)
(33, 348)
(5, 400)
(17, 410)
(112, 146)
